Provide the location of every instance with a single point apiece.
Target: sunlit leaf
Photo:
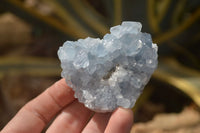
(30, 66)
(185, 79)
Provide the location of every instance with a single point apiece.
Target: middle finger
(72, 119)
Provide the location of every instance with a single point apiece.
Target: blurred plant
(174, 26)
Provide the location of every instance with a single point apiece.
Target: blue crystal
(111, 72)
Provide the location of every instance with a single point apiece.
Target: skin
(69, 116)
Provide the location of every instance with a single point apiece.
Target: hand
(70, 116)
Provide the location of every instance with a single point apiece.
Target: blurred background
(31, 32)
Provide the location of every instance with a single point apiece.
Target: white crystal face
(111, 72)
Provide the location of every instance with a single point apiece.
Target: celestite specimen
(110, 72)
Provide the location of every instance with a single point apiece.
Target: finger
(120, 122)
(72, 119)
(37, 113)
(98, 123)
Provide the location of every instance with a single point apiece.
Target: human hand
(70, 116)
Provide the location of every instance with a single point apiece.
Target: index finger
(34, 116)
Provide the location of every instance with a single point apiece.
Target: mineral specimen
(110, 72)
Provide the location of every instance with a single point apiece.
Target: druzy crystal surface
(110, 72)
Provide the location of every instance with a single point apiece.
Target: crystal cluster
(110, 72)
